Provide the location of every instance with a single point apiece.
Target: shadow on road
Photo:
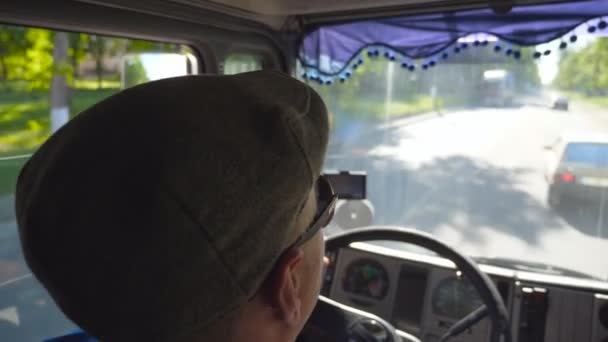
(468, 196)
(472, 196)
(358, 136)
(587, 219)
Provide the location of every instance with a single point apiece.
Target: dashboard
(424, 295)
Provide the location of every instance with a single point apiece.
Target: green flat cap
(166, 205)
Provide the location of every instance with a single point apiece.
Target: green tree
(38, 60)
(26, 55)
(12, 43)
(97, 48)
(586, 70)
(78, 46)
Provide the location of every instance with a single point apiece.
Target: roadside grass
(25, 124)
(83, 99)
(418, 105)
(377, 109)
(89, 84)
(25, 118)
(600, 101)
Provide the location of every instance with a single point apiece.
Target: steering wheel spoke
(465, 323)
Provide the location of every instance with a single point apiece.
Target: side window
(242, 62)
(46, 78)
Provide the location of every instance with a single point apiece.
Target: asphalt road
(475, 179)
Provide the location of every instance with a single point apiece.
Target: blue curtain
(332, 49)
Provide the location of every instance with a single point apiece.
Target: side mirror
(137, 68)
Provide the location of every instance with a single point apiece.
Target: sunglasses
(326, 204)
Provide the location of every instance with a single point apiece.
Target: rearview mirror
(139, 68)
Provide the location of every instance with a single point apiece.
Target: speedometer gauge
(367, 278)
(455, 298)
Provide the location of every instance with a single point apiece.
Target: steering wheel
(493, 307)
(335, 322)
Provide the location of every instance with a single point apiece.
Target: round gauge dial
(455, 298)
(367, 278)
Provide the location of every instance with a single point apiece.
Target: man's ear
(284, 288)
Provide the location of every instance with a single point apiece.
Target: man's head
(286, 299)
(174, 207)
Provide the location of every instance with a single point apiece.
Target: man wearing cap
(186, 209)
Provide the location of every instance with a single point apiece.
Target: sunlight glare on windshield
(456, 149)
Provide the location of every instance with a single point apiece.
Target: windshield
(457, 150)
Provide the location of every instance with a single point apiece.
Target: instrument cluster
(425, 295)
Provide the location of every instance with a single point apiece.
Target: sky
(164, 65)
(548, 65)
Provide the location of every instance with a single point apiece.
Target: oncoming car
(560, 103)
(578, 171)
(442, 105)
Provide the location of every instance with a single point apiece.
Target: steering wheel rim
(486, 289)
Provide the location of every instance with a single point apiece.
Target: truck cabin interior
(468, 148)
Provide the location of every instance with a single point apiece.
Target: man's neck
(255, 323)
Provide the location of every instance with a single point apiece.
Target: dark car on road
(578, 171)
(560, 103)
